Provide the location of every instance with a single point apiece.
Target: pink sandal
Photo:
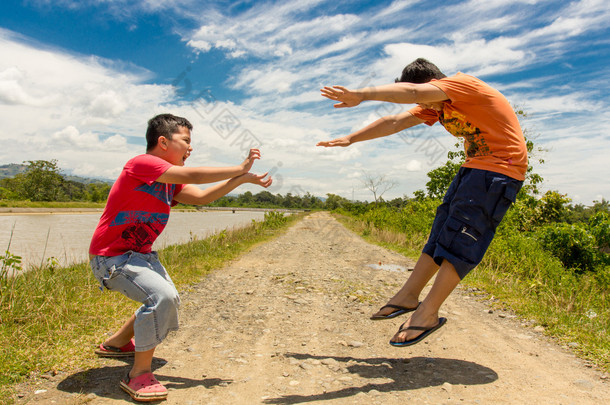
(144, 388)
(110, 351)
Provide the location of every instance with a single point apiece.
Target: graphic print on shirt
(458, 126)
(161, 191)
(142, 227)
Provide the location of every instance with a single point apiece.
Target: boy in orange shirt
(477, 199)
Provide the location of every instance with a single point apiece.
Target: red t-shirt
(137, 209)
(480, 114)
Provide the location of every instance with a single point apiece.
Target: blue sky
(79, 80)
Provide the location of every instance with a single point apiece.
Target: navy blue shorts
(466, 221)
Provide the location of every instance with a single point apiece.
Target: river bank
(62, 235)
(80, 210)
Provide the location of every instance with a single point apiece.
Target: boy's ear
(162, 142)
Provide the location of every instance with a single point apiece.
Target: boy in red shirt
(477, 199)
(136, 213)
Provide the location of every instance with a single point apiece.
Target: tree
(41, 181)
(291, 201)
(377, 185)
(265, 198)
(441, 177)
(97, 192)
(245, 199)
(334, 201)
(73, 191)
(310, 201)
(552, 207)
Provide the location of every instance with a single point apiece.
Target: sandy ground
(288, 323)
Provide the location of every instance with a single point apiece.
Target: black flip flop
(399, 311)
(427, 332)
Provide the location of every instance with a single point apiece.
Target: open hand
(346, 97)
(258, 179)
(343, 141)
(252, 156)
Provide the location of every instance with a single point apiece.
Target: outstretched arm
(200, 175)
(402, 93)
(191, 194)
(385, 126)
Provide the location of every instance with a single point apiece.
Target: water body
(66, 237)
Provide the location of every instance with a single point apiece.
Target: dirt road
(287, 323)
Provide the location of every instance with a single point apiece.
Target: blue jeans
(466, 221)
(142, 278)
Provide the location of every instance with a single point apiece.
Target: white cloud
(478, 57)
(108, 104)
(282, 53)
(413, 166)
(60, 105)
(71, 137)
(12, 91)
(276, 80)
(568, 103)
(484, 38)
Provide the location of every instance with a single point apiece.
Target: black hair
(420, 71)
(164, 125)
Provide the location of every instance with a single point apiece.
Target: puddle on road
(389, 267)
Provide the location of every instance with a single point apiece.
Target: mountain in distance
(13, 169)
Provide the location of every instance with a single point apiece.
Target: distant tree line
(265, 199)
(43, 181)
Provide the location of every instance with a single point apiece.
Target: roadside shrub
(520, 216)
(419, 215)
(572, 244)
(599, 226)
(414, 216)
(552, 207)
(274, 219)
(602, 275)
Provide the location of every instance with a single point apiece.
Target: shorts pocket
(504, 202)
(458, 237)
(109, 267)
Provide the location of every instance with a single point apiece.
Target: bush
(414, 216)
(602, 275)
(274, 219)
(599, 225)
(572, 244)
(520, 216)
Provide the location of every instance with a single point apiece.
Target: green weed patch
(51, 318)
(573, 307)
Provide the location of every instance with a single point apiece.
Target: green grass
(573, 308)
(51, 318)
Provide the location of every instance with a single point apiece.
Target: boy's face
(179, 148)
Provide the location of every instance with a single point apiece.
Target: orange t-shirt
(493, 139)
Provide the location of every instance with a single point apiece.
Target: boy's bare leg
(408, 295)
(142, 363)
(123, 335)
(427, 313)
